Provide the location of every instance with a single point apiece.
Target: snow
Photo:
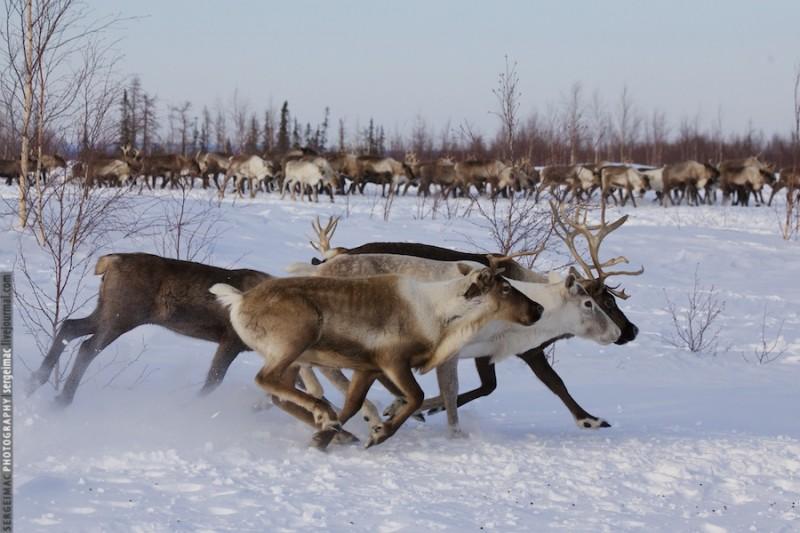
(699, 442)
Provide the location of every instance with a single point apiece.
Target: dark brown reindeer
(535, 358)
(139, 289)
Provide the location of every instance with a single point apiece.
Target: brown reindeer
(789, 178)
(622, 178)
(109, 171)
(563, 180)
(380, 325)
(139, 289)
(687, 178)
(743, 177)
(212, 164)
(441, 172)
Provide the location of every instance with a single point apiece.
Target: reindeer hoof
(592, 423)
(418, 416)
(455, 432)
(321, 439)
(434, 410)
(345, 437)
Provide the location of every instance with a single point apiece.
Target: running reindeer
(573, 306)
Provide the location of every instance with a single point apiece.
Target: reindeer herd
(381, 310)
(304, 172)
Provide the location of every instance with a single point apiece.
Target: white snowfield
(699, 442)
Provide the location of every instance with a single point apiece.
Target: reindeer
(654, 181)
(345, 165)
(789, 178)
(381, 257)
(311, 173)
(212, 164)
(441, 172)
(622, 178)
(570, 178)
(744, 176)
(375, 325)
(170, 167)
(382, 171)
(496, 174)
(251, 169)
(688, 177)
(138, 289)
(109, 171)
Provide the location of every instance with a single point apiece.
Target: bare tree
(695, 328)
(573, 120)
(239, 112)
(508, 95)
(600, 125)
(183, 122)
(627, 123)
(791, 223)
(658, 132)
(51, 49)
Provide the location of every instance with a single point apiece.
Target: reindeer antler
(324, 234)
(594, 235)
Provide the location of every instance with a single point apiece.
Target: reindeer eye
(506, 288)
(587, 304)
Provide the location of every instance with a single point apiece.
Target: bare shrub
(695, 328)
(519, 224)
(72, 225)
(769, 347)
(186, 230)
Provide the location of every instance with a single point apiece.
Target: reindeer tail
(226, 295)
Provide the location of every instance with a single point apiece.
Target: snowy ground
(698, 443)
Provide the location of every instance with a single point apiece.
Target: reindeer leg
(278, 379)
(312, 385)
(488, 377)
(226, 352)
(537, 361)
(401, 376)
(70, 329)
(90, 348)
(447, 376)
(368, 409)
(356, 394)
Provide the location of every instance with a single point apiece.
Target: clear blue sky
(440, 59)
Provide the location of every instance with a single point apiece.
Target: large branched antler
(324, 234)
(568, 228)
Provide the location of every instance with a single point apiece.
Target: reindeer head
(507, 302)
(594, 282)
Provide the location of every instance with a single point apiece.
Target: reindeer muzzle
(533, 314)
(629, 333)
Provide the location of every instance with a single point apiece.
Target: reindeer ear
(464, 269)
(569, 281)
(574, 272)
(482, 282)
